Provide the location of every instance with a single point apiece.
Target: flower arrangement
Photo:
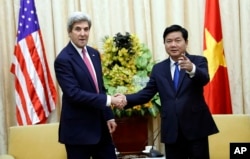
(126, 66)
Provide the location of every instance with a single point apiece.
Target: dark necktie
(176, 75)
(91, 71)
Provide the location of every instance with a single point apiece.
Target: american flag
(35, 93)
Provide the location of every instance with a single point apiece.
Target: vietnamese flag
(216, 92)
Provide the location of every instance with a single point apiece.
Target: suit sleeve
(74, 86)
(201, 73)
(144, 95)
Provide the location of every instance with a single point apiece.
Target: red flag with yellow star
(217, 92)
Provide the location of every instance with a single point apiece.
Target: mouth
(174, 51)
(82, 40)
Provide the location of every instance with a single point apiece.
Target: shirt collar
(172, 62)
(79, 50)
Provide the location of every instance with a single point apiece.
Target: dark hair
(175, 28)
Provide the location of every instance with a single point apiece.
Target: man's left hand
(111, 125)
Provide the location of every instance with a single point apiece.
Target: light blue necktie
(176, 75)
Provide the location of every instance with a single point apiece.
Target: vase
(131, 134)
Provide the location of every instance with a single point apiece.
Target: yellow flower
(137, 107)
(148, 105)
(126, 66)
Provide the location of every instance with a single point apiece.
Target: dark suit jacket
(84, 112)
(184, 109)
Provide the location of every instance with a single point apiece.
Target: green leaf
(149, 67)
(142, 73)
(153, 110)
(111, 90)
(128, 112)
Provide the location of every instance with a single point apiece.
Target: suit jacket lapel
(75, 56)
(168, 73)
(95, 61)
(79, 61)
(181, 78)
(182, 75)
(169, 76)
(96, 64)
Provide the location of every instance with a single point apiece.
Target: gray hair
(77, 17)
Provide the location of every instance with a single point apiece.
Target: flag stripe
(38, 72)
(23, 116)
(35, 91)
(47, 79)
(25, 73)
(21, 102)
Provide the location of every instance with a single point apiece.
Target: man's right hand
(119, 100)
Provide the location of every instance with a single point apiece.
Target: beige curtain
(147, 19)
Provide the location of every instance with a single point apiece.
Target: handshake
(119, 100)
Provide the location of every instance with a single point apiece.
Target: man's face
(175, 45)
(80, 34)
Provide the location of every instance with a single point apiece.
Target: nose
(82, 32)
(173, 43)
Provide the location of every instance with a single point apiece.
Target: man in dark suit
(186, 121)
(87, 120)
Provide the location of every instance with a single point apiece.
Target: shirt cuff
(192, 73)
(108, 100)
